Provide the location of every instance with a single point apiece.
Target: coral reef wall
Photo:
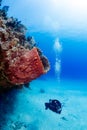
(20, 60)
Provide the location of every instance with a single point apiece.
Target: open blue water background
(73, 55)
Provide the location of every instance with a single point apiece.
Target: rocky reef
(20, 59)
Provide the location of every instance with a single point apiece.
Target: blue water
(24, 109)
(73, 55)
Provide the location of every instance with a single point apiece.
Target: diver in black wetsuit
(54, 105)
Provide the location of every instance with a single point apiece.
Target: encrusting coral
(20, 60)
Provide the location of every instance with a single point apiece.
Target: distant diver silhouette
(54, 105)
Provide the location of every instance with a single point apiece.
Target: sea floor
(24, 109)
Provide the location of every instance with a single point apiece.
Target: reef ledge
(20, 59)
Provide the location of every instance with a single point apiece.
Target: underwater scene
(43, 65)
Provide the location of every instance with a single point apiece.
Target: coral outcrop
(20, 60)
